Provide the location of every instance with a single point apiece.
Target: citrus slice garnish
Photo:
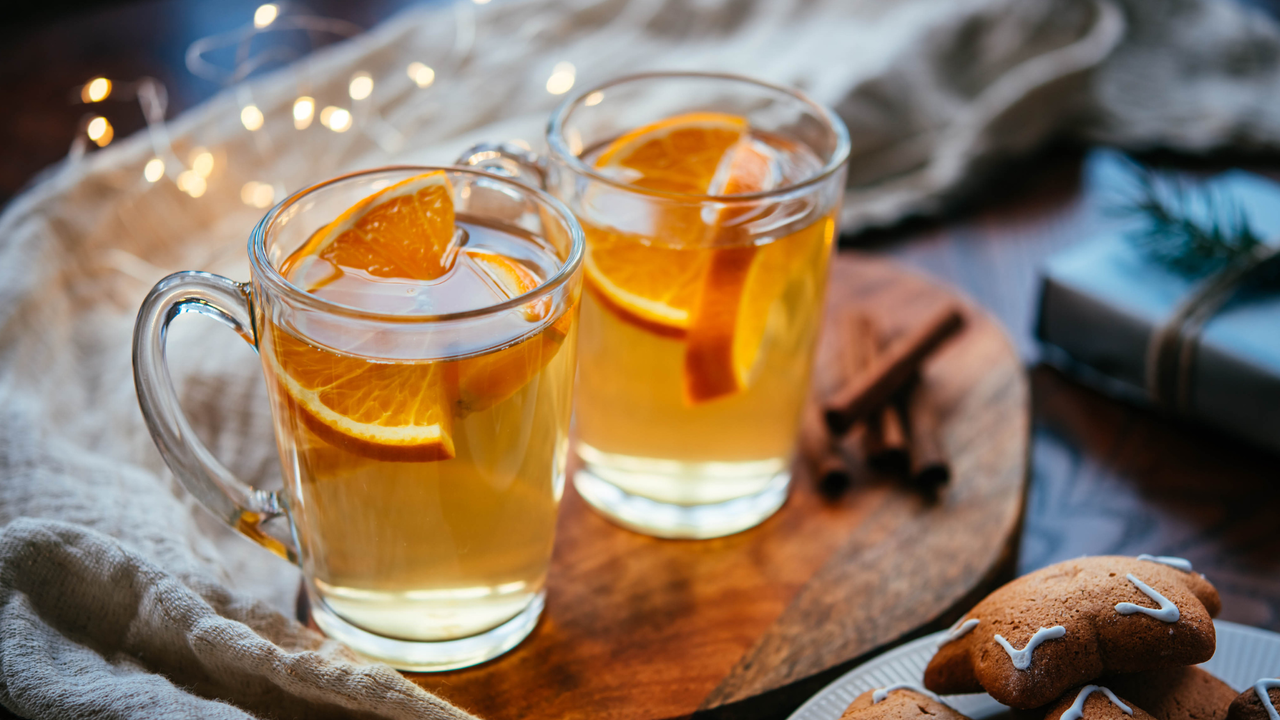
(741, 282)
(677, 154)
(402, 231)
(654, 282)
(701, 279)
(739, 306)
(382, 409)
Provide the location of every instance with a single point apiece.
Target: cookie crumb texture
(1081, 596)
(899, 705)
(1248, 705)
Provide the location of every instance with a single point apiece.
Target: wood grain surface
(750, 625)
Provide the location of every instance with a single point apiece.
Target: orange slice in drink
(403, 231)
(742, 281)
(678, 154)
(384, 409)
(654, 282)
(704, 280)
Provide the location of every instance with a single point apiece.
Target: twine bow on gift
(1171, 350)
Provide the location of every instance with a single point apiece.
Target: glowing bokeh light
(562, 77)
(191, 183)
(421, 75)
(361, 86)
(251, 117)
(304, 108)
(96, 90)
(100, 131)
(336, 119)
(257, 194)
(153, 170)
(265, 15)
(202, 162)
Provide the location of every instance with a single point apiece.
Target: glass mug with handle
(710, 206)
(417, 329)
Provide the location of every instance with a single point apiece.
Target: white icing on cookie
(1174, 562)
(1076, 711)
(1167, 612)
(1022, 658)
(1263, 689)
(883, 692)
(959, 630)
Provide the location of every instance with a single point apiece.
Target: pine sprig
(1176, 239)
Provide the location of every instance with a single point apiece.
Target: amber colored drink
(448, 533)
(698, 326)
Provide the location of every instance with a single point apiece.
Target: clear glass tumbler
(702, 308)
(431, 555)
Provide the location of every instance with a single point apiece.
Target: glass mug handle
(507, 159)
(240, 505)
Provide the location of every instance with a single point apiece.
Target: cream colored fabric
(120, 599)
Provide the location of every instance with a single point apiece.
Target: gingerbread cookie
(1095, 702)
(1186, 693)
(1068, 624)
(1260, 702)
(899, 702)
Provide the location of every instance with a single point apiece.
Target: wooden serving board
(751, 625)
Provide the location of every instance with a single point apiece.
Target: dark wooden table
(1106, 477)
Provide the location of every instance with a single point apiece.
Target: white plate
(1244, 655)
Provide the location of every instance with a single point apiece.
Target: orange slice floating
(654, 282)
(386, 410)
(403, 231)
(741, 282)
(715, 288)
(404, 410)
(381, 409)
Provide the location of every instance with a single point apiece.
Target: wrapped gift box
(1102, 299)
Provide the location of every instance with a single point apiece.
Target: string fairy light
(257, 194)
(562, 77)
(153, 170)
(304, 108)
(194, 176)
(191, 183)
(96, 90)
(422, 75)
(336, 119)
(201, 162)
(361, 86)
(265, 15)
(251, 117)
(99, 131)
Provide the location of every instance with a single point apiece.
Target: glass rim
(560, 149)
(266, 272)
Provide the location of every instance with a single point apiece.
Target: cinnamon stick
(884, 441)
(867, 391)
(929, 467)
(855, 345)
(826, 464)
(885, 444)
